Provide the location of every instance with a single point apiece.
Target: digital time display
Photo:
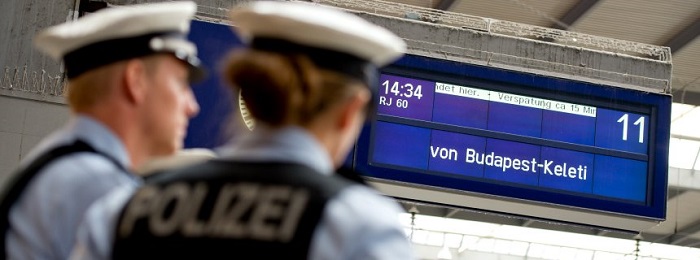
(550, 140)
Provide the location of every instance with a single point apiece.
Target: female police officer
(307, 80)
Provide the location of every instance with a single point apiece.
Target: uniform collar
(100, 138)
(288, 144)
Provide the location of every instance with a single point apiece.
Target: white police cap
(120, 33)
(319, 27)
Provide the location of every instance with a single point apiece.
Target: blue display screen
(503, 112)
(505, 161)
(418, 144)
(486, 130)
(489, 131)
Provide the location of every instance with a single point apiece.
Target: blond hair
(94, 86)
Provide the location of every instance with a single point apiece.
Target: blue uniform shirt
(45, 218)
(357, 224)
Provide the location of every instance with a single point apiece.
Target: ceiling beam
(527, 222)
(450, 212)
(681, 237)
(693, 243)
(674, 192)
(602, 233)
(684, 233)
(575, 13)
(685, 36)
(682, 240)
(686, 97)
(444, 5)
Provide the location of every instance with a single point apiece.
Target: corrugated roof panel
(686, 66)
(521, 11)
(421, 3)
(638, 20)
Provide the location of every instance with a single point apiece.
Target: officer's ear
(135, 84)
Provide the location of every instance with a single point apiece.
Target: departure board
(500, 154)
(490, 139)
(518, 135)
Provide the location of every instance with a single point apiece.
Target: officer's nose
(192, 105)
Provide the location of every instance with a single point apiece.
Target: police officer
(128, 71)
(307, 79)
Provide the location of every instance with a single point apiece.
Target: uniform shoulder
(356, 199)
(82, 163)
(86, 170)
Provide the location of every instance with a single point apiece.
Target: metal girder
(575, 13)
(686, 97)
(685, 137)
(683, 235)
(674, 192)
(444, 5)
(693, 242)
(682, 38)
(451, 213)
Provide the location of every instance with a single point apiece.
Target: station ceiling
(672, 23)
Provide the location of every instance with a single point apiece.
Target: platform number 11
(640, 122)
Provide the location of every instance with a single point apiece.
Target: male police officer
(128, 71)
(307, 78)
